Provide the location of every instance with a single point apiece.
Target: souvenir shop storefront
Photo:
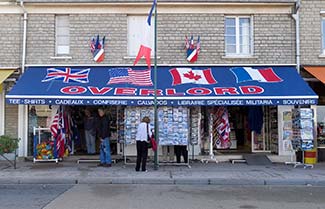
(315, 76)
(236, 109)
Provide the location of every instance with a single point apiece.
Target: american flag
(67, 74)
(92, 45)
(58, 132)
(57, 122)
(128, 75)
(187, 43)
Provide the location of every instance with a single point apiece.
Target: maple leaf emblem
(192, 76)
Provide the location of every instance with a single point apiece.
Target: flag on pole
(145, 49)
(97, 49)
(58, 132)
(192, 50)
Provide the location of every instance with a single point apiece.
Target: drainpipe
(297, 20)
(23, 109)
(23, 59)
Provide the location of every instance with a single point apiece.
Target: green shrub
(8, 144)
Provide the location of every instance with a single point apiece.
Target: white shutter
(62, 31)
(138, 34)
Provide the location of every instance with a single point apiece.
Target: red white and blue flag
(58, 132)
(223, 128)
(97, 49)
(67, 74)
(265, 75)
(192, 50)
(188, 75)
(128, 75)
(145, 48)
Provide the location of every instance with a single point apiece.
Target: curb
(166, 181)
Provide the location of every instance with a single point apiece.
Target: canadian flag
(188, 75)
(145, 49)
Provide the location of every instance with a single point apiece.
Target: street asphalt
(70, 172)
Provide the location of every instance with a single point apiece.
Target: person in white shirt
(142, 143)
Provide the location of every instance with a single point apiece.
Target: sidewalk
(69, 172)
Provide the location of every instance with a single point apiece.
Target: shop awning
(4, 74)
(177, 85)
(318, 72)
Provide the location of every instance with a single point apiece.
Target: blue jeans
(90, 141)
(105, 152)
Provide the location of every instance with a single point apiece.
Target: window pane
(230, 22)
(62, 20)
(230, 31)
(63, 50)
(244, 35)
(63, 40)
(62, 31)
(231, 49)
(244, 49)
(231, 40)
(62, 34)
(243, 21)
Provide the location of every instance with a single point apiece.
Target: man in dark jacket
(103, 131)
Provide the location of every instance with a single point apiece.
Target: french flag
(265, 75)
(187, 75)
(192, 51)
(145, 49)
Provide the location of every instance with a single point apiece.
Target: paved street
(99, 196)
(29, 196)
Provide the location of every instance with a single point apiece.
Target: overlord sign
(179, 86)
(244, 90)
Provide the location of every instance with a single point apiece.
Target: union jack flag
(67, 74)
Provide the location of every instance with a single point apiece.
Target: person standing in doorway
(90, 132)
(103, 131)
(142, 135)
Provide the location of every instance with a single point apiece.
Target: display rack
(37, 140)
(173, 127)
(273, 129)
(303, 132)
(211, 154)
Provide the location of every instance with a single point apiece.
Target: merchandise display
(221, 128)
(195, 125)
(173, 124)
(120, 125)
(45, 150)
(271, 120)
(303, 127)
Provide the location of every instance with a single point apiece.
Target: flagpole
(155, 90)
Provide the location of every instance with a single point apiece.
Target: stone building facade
(273, 35)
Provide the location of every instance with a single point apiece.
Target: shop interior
(196, 126)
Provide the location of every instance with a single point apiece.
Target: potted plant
(8, 144)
